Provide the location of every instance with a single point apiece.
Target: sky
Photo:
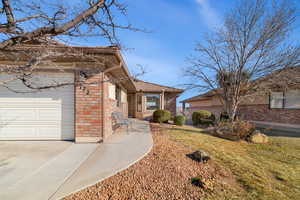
(174, 28)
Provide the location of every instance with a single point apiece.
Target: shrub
(237, 130)
(203, 117)
(161, 116)
(224, 117)
(179, 120)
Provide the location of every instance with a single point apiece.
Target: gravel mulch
(164, 173)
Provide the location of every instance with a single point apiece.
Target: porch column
(162, 100)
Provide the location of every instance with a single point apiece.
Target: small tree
(252, 43)
(26, 21)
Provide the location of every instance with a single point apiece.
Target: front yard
(238, 170)
(265, 171)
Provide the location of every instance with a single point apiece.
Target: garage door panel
(50, 114)
(10, 132)
(40, 115)
(9, 116)
(49, 132)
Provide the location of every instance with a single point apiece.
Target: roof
(96, 57)
(269, 81)
(201, 97)
(152, 87)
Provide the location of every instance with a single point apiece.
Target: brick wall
(88, 111)
(256, 113)
(110, 106)
(170, 102)
(91, 107)
(263, 113)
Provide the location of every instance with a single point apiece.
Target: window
(276, 100)
(292, 99)
(118, 95)
(285, 100)
(112, 91)
(152, 101)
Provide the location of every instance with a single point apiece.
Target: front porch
(150, 97)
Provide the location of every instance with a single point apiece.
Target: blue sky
(176, 26)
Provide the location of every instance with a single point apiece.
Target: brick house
(278, 105)
(72, 112)
(149, 97)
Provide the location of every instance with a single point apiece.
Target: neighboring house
(278, 105)
(72, 112)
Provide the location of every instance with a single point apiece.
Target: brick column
(88, 111)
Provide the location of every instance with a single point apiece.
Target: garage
(37, 115)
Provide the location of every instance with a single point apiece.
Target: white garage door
(45, 115)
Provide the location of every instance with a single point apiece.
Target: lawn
(265, 171)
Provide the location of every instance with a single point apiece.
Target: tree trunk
(231, 109)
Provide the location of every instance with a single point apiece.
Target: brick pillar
(88, 111)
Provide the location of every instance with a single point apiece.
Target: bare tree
(26, 21)
(252, 43)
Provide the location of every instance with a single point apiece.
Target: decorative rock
(258, 138)
(197, 181)
(200, 156)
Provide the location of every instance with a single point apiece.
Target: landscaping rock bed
(164, 174)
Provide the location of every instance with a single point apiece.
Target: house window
(118, 95)
(152, 101)
(276, 100)
(292, 99)
(285, 100)
(112, 91)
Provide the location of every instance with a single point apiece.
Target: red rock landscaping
(165, 173)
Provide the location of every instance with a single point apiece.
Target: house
(276, 104)
(149, 97)
(80, 112)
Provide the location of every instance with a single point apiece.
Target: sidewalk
(114, 155)
(279, 129)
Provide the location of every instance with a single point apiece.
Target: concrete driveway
(53, 170)
(35, 170)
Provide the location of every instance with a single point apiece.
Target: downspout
(102, 106)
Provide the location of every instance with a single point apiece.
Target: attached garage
(42, 115)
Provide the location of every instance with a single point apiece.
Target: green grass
(265, 171)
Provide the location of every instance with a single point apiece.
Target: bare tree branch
(251, 44)
(39, 21)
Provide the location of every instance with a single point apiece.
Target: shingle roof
(152, 87)
(200, 97)
(105, 57)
